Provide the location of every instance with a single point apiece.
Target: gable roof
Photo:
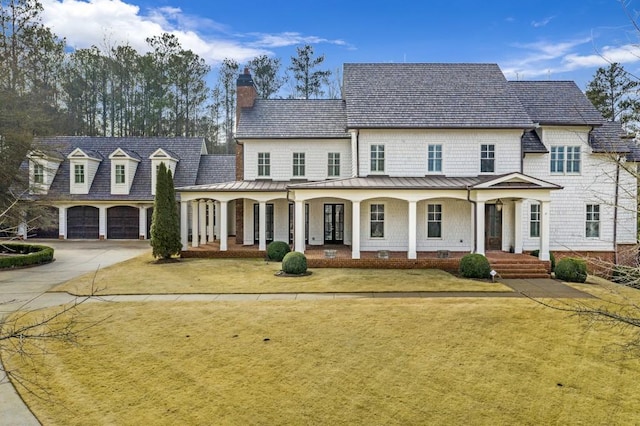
(216, 168)
(430, 95)
(187, 151)
(293, 118)
(556, 103)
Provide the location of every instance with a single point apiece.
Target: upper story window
(377, 158)
(377, 221)
(434, 221)
(487, 158)
(565, 159)
(298, 164)
(264, 164)
(38, 173)
(593, 221)
(334, 164)
(434, 160)
(78, 173)
(121, 176)
(534, 221)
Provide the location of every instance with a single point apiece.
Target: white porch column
(517, 227)
(355, 230)
(216, 219)
(299, 231)
(142, 222)
(202, 221)
(262, 237)
(223, 225)
(480, 227)
(544, 230)
(62, 223)
(184, 224)
(413, 231)
(354, 153)
(210, 209)
(194, 224)
(102, 223)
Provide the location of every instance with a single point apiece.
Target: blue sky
(530, 40)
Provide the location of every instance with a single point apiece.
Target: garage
(123, 223)
(83, 222)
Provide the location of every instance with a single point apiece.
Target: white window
(565, 159)
(377, 221)
(534, 221)
(377, 158)
(434, 220)
(334, 164)
(298, 164)
(593, 221)
(120, 174)
(78, 173)
(434, 161)
(264, 164)
(38, 173)
(487, 158)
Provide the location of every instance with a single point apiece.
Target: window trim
(565, 159)
(299, 164)
(371, 221)
(535, 218)
(264, 164)
(436, 160)
(378, 160)
(123, 175)
(488, 156)
(79, 177)
(437, 218)
(333, 164)
(38, 173)
(592, 217)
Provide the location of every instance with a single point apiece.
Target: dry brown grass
(142, 275)
(365, 361)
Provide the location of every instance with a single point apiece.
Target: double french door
(334, 223)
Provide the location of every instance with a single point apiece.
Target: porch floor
(507, 265)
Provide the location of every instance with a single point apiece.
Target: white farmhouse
(423, 158)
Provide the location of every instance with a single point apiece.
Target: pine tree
(165, 223)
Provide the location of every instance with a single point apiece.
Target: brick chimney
(246, 95)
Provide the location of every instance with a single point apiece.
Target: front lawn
(366, 361)
(142, 275)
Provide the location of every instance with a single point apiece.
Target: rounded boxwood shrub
(552, 258)
(24, 255)
(572, 270)
(276, 250)
(294, 263)
(475, 265)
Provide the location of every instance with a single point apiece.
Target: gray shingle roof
(216, 168)
(610, 138)
(531, 143)
(556, 102)
(187, 150)
(431, 96)
(293, 118)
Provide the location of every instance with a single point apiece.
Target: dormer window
(123, 169)
(42, 170)
(169, 159)
(38, 173)
(83, 167)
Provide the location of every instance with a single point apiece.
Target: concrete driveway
(25, 288)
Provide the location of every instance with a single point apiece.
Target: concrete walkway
(28, 289)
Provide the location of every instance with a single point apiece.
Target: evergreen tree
(165, 223)
(613, 92)
(308, 83)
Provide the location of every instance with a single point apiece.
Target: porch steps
(524, 266)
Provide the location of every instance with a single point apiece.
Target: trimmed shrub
(276, 250)
(475, 265)
(572, 270)
(294, 263)
(552, 258)
(32, 254)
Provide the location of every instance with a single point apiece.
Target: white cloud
(543, 23)
(105, 23)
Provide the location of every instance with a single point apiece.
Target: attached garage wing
(123, 223)
(83, 222)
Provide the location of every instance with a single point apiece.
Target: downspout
(475, 219)
(615, 211)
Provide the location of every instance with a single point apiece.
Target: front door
(333, 223)
(256, 223)
(493, 227)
